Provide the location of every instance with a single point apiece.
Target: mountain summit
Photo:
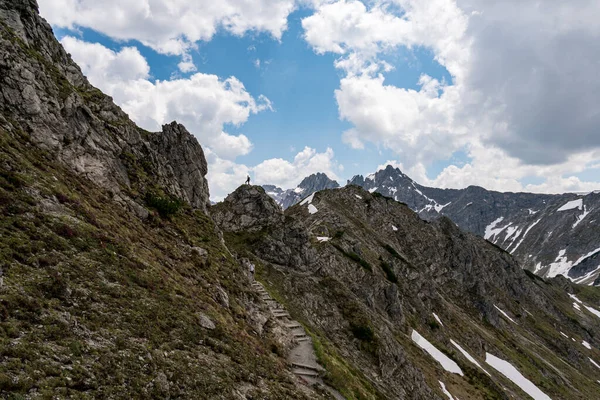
(548, 234)
(308, 186)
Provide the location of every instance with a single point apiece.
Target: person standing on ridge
(248, 180)
(251, 271)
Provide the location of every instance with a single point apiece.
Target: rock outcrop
(548, 234)
(45, 96)
(249, 209)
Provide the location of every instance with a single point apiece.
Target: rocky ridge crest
(45, 96)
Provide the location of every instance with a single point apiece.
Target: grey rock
(222, 297)
(47, 97)
(249, 209)
(206, 322)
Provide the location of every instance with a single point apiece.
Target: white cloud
(493, 169)
(418, 125)
(187, 64)
(169, 26)
(288, 174)
(348, 27)
(203, 103)
(523, 94)
(101, 64)
(224, 176)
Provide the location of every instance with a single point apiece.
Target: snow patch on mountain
(506, 369)
(560, 266)
(308, 200)
(505, 314)
(586, 345)
(468, 356)
(571, 205)
(440, 357)
(581, 217)
(491, 230)
(446, 392)
(525, 234)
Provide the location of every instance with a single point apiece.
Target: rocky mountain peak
(46, 98)
(309, 185)
(316, 182)
(248, 208)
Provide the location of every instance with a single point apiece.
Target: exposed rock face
(45, 95)
(248, 208)
(548, 234)
(308, 186)
(382, 272)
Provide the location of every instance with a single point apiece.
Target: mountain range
(548, 234)
(308, 186)
(119, 279)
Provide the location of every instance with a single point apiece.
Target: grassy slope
(97, 303)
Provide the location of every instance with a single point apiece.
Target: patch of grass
(354, 257)
(389, 271)
(339, 374)
(165, 205)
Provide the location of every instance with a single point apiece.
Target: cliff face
(368, 278)
(45, 95)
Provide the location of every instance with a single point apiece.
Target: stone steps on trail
(303, 339)
(294, 326)
(316, 367)
(281, 314)
(305, 372)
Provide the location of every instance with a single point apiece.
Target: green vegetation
(98, 303)
(354, 257)
(389, 271)
(339, 374)
(165, 205)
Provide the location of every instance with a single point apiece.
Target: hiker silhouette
(248, 180)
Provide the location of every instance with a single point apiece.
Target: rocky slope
(45, 95)
(548, 234)
(373, 284)
(114, 281)
(308, 186)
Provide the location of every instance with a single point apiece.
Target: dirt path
(302, 358)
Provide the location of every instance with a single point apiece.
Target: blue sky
(357, 83)
(299, 82)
